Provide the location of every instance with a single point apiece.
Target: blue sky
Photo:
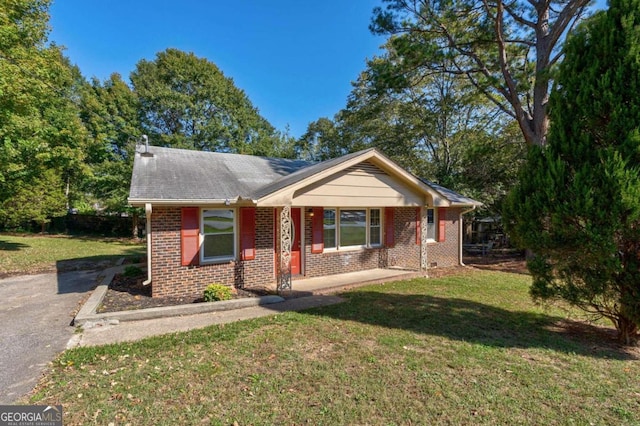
(294, 59)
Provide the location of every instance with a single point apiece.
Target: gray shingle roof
(170, 174)
(179, 174)
(452, 196)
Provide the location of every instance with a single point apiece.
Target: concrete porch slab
(334, 283)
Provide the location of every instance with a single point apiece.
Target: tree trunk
(135, 221)
(627, 331)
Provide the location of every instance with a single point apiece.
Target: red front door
(295, 246)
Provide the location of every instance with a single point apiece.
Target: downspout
(147, 210)
(460, 236)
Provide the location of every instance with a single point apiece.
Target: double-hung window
(431, 224)
(329, 228)
(352, 228)
(375, 227)
(219, 235)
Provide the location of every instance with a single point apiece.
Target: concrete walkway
(100, 329)
(115, 332)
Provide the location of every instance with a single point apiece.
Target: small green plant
(132, 271)
(216, 292)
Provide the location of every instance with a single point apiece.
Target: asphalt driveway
(35, 313)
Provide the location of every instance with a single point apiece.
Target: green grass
(32, 254)
(456, 350)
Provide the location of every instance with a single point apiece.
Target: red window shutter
(389, 237)
(317, 230)
(441, 224)
(247, 233)
(418, 226)
(190, 236)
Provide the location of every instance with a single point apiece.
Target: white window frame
(367, 244)
(335, 229)
(435, 225)
(218, 259)
(380, 227)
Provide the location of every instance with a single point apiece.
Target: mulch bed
(128, 293)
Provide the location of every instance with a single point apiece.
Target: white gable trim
(285, 196)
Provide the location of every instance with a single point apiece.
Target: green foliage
(435, 126)
(132, 271)
(577, 206)
(42, 140)
(505, 50)
(187, 102)
(110, 113)
(217, 292)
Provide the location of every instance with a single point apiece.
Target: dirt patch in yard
(507, 261)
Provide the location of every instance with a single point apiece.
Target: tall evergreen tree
(577, 206)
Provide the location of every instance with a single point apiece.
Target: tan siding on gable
(359, 186)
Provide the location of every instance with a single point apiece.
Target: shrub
(132, 271)
(216, 292)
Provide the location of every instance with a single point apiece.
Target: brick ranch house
(249, 221)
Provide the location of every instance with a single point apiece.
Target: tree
(321, 142)
(110, 111)
(506, 50)
(41, 136)
(437, 127)
(577, 205)
(187, 102)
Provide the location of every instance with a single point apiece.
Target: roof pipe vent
(146, 152)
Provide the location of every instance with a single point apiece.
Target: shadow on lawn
(93, 265)
(474, 322)
(12, 246)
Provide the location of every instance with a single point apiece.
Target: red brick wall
(405, 253)
(170, 278)
(446, 253)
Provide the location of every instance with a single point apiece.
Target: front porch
(334, 283)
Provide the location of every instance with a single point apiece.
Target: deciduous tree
(41, 134)
(505, 49)
(187, 102)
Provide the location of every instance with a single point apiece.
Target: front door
(296, 260)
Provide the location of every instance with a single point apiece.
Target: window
(375, 227)
(431, 224)
(352, 228)
(218, 233)
(329, 228)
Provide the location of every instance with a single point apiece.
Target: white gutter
(147, 210)
(185, 202)
(460, 236)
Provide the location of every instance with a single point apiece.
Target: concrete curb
(87, 316)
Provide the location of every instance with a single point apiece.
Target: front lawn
(468, 349)
(28, 254)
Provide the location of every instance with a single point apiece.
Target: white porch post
(284, 275)
(423, 239)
